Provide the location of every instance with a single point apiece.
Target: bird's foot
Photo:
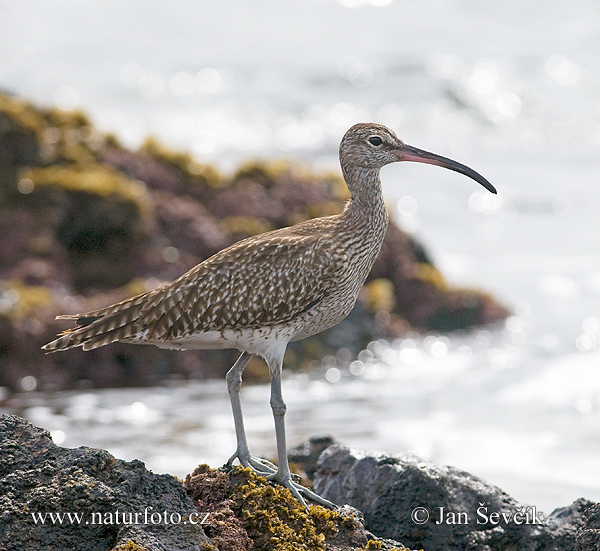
(260, 466)
(297, 491)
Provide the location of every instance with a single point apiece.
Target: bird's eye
(375, 140)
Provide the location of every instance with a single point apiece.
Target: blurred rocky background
(85, 222)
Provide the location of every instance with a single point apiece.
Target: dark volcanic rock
(39, 478)
(476, 516)
(307, 455)
(240, 511)
(588, 538)
(381, 494)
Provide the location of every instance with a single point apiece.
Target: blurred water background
(510, 88)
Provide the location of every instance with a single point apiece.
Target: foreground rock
(212, 510)
(401, 498)
(39, 479)
(85, 222)
(588, 538)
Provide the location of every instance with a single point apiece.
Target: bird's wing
(256, 282)
(260, 283)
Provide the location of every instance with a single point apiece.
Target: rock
(239, 511)
(18, 143)
(306, 455)
(39, 479)
(588, 538)
(401, 498)
(235, 511)
(253, 514)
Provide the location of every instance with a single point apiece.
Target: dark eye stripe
(375, 140)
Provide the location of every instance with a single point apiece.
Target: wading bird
(263, 292)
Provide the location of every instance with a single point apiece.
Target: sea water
(504, 87)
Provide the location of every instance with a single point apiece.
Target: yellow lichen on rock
(326, 208)
(246, 225)
(265, 173)
(430, 274)
(379, 296)
(129, 546)
(96, 179)
(61, 135)
(338, 186)
(23, 300)
(184, 161)
(275, 520)
(23, 113)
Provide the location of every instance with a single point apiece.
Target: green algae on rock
(249, 513)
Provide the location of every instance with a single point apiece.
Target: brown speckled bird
(265, 291)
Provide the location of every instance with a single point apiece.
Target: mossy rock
(247, 512)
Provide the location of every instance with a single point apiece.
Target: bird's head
(372, 146)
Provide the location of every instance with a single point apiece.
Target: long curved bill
(410, 153)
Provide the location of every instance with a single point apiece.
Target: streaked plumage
(265, 291)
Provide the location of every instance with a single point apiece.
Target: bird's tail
(100, 327)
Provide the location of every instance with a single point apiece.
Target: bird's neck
(366, 207)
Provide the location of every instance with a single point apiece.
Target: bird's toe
(257, 464)
(297, 491)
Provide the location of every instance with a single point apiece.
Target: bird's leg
(283, 475)
(234, 383)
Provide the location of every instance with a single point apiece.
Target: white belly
(268, 342)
